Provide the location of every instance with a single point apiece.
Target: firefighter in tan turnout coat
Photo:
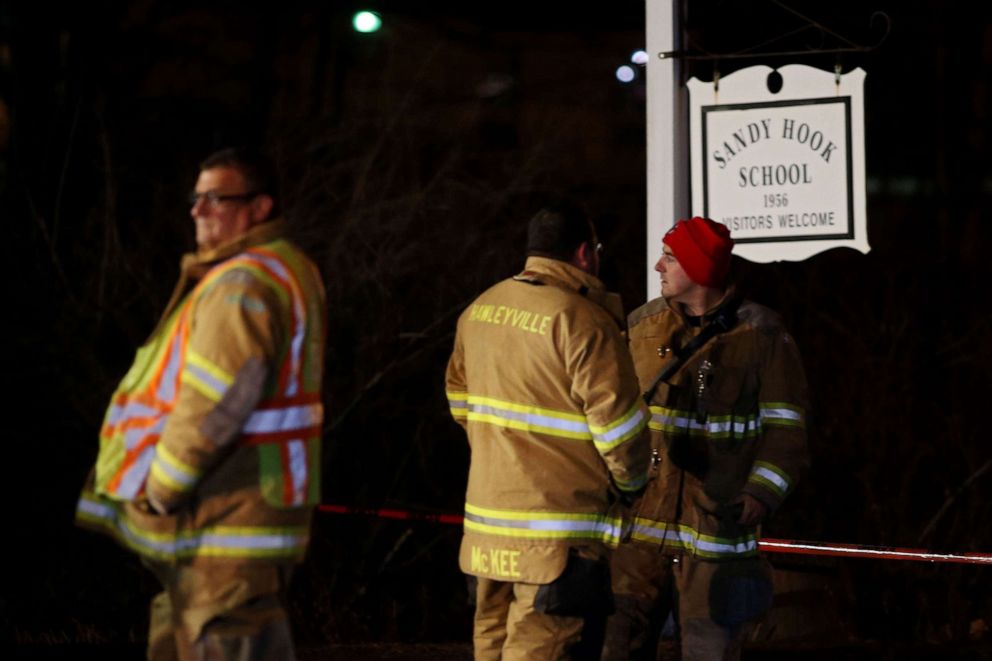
(209, 461)
(729, 441)
(545, 388)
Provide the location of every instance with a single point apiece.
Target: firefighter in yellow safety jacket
(209, 459)
(728, 429)
(545, 388)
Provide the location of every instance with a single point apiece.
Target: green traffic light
(366, 22)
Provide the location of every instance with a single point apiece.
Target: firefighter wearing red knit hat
(727, 394)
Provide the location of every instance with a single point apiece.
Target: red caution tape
(864, 551)
(791, 546)
(404, 515)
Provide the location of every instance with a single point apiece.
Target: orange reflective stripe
(296, 400)
(281, 436)
(130, 423)
(154, 386)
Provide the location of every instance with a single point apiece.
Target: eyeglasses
(213, 198)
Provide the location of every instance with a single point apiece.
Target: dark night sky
(411, 159)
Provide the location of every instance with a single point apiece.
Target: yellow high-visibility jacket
(217, 423)
(730, 421)
(543, 384)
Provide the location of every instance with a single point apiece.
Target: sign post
(668, 137)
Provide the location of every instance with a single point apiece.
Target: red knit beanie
(702, 247)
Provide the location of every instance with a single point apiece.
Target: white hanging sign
(785, 171)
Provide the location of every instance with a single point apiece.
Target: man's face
(675, 284)
(223, 210)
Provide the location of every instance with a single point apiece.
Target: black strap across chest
(721, 321)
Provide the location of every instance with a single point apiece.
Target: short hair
(255, 166)
(557, 231)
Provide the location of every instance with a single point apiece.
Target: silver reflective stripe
(296, 348)
(781, 413)
(635, 422)
(549, 525)
(534, 419)
(253, 542)
(738, 428)
(297, 451)
(167, 386)
(772, 477)
(290, 418)
(134, 436)
(189, 545)
(96, 509)
(136, 474)
(457, 403)
(662, 420)
(118, 413)
(691, 540)
(180, 477)
(718, 548)
(207, 378)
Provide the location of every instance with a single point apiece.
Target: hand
(148, 504)
(159, 508)
(754, 511)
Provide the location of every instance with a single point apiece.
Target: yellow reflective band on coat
(771, 477)
(204, 376)
(221, 541)
(528, 418)
(168, 469)
(458, 403)
(716, 426)
(782, 413)
(542, 525)
(621, 430)
(686, 538)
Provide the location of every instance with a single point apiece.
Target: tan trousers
(219, 615)
(718, 603)
(508, 627)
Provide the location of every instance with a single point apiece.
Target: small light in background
(639, 57)
(366, 22)
(626, 73)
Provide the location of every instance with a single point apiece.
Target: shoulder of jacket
(650, 309)
(760, 318)
(237, 271)
(237, 277)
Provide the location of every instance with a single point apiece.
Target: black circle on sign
(774, 82)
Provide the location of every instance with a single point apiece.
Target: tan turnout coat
(545, 388)
(730, 421)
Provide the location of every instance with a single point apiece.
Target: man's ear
(583, 257)
(261, 207)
